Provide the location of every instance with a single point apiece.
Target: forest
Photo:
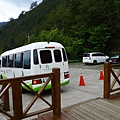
(79, 25)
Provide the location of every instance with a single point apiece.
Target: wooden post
(6, 99)
(56, 100)
(6, 96)
(17, 99)
(107, 80)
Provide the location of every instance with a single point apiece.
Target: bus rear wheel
(23, 90)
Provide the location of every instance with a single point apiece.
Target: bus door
(46, 60)
(51, 58)
(42, 61)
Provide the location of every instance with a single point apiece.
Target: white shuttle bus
(35, 58)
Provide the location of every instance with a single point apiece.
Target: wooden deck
(95, 109)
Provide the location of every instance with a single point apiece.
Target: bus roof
(32, 46)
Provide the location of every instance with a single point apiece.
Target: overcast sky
(13, 8)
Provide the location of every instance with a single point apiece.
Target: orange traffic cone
(101, 75)
(82, 83)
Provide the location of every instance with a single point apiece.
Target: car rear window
(98, 54)
(86, 55)
(115, 56)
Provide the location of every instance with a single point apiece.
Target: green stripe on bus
(38, 88)
(47, 87)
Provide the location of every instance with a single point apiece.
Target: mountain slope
(2, 23)
(14, 33)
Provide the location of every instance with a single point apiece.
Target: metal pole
(28, 37)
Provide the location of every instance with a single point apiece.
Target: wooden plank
(61, 117)
(46, 117)
(86, 114)
(80, 113)
(95, 112)
(108, 112)
(89, 112)
(114, 102)
(97, 109)
(74, 114)
(67, 115)
(113, 108)
(103, 115)
(40, 118)
(50, 116)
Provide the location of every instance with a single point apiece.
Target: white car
(94, 58)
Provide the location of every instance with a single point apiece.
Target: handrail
(108, 71)
(18, 112)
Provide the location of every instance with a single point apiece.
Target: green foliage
(58, 16)
(98, 36)
(80, 25)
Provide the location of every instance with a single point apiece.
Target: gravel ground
(83, 66)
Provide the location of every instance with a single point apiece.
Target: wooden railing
(15, 83)
(109, 85)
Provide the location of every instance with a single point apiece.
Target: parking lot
(73, 93)
(93, 88)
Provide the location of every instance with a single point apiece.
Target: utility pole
(28, 36)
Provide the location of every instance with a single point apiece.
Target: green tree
(33, 5)
(98, 37)
(54, 35)
(58, 17)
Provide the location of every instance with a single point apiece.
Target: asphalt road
(72, 93)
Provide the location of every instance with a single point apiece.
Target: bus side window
(14, 59)
(4, 60)
(21, 59)
(18, 61)
(35, 57)
(7, 61)
(64, 55)
(10, 60)
(27, 59)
